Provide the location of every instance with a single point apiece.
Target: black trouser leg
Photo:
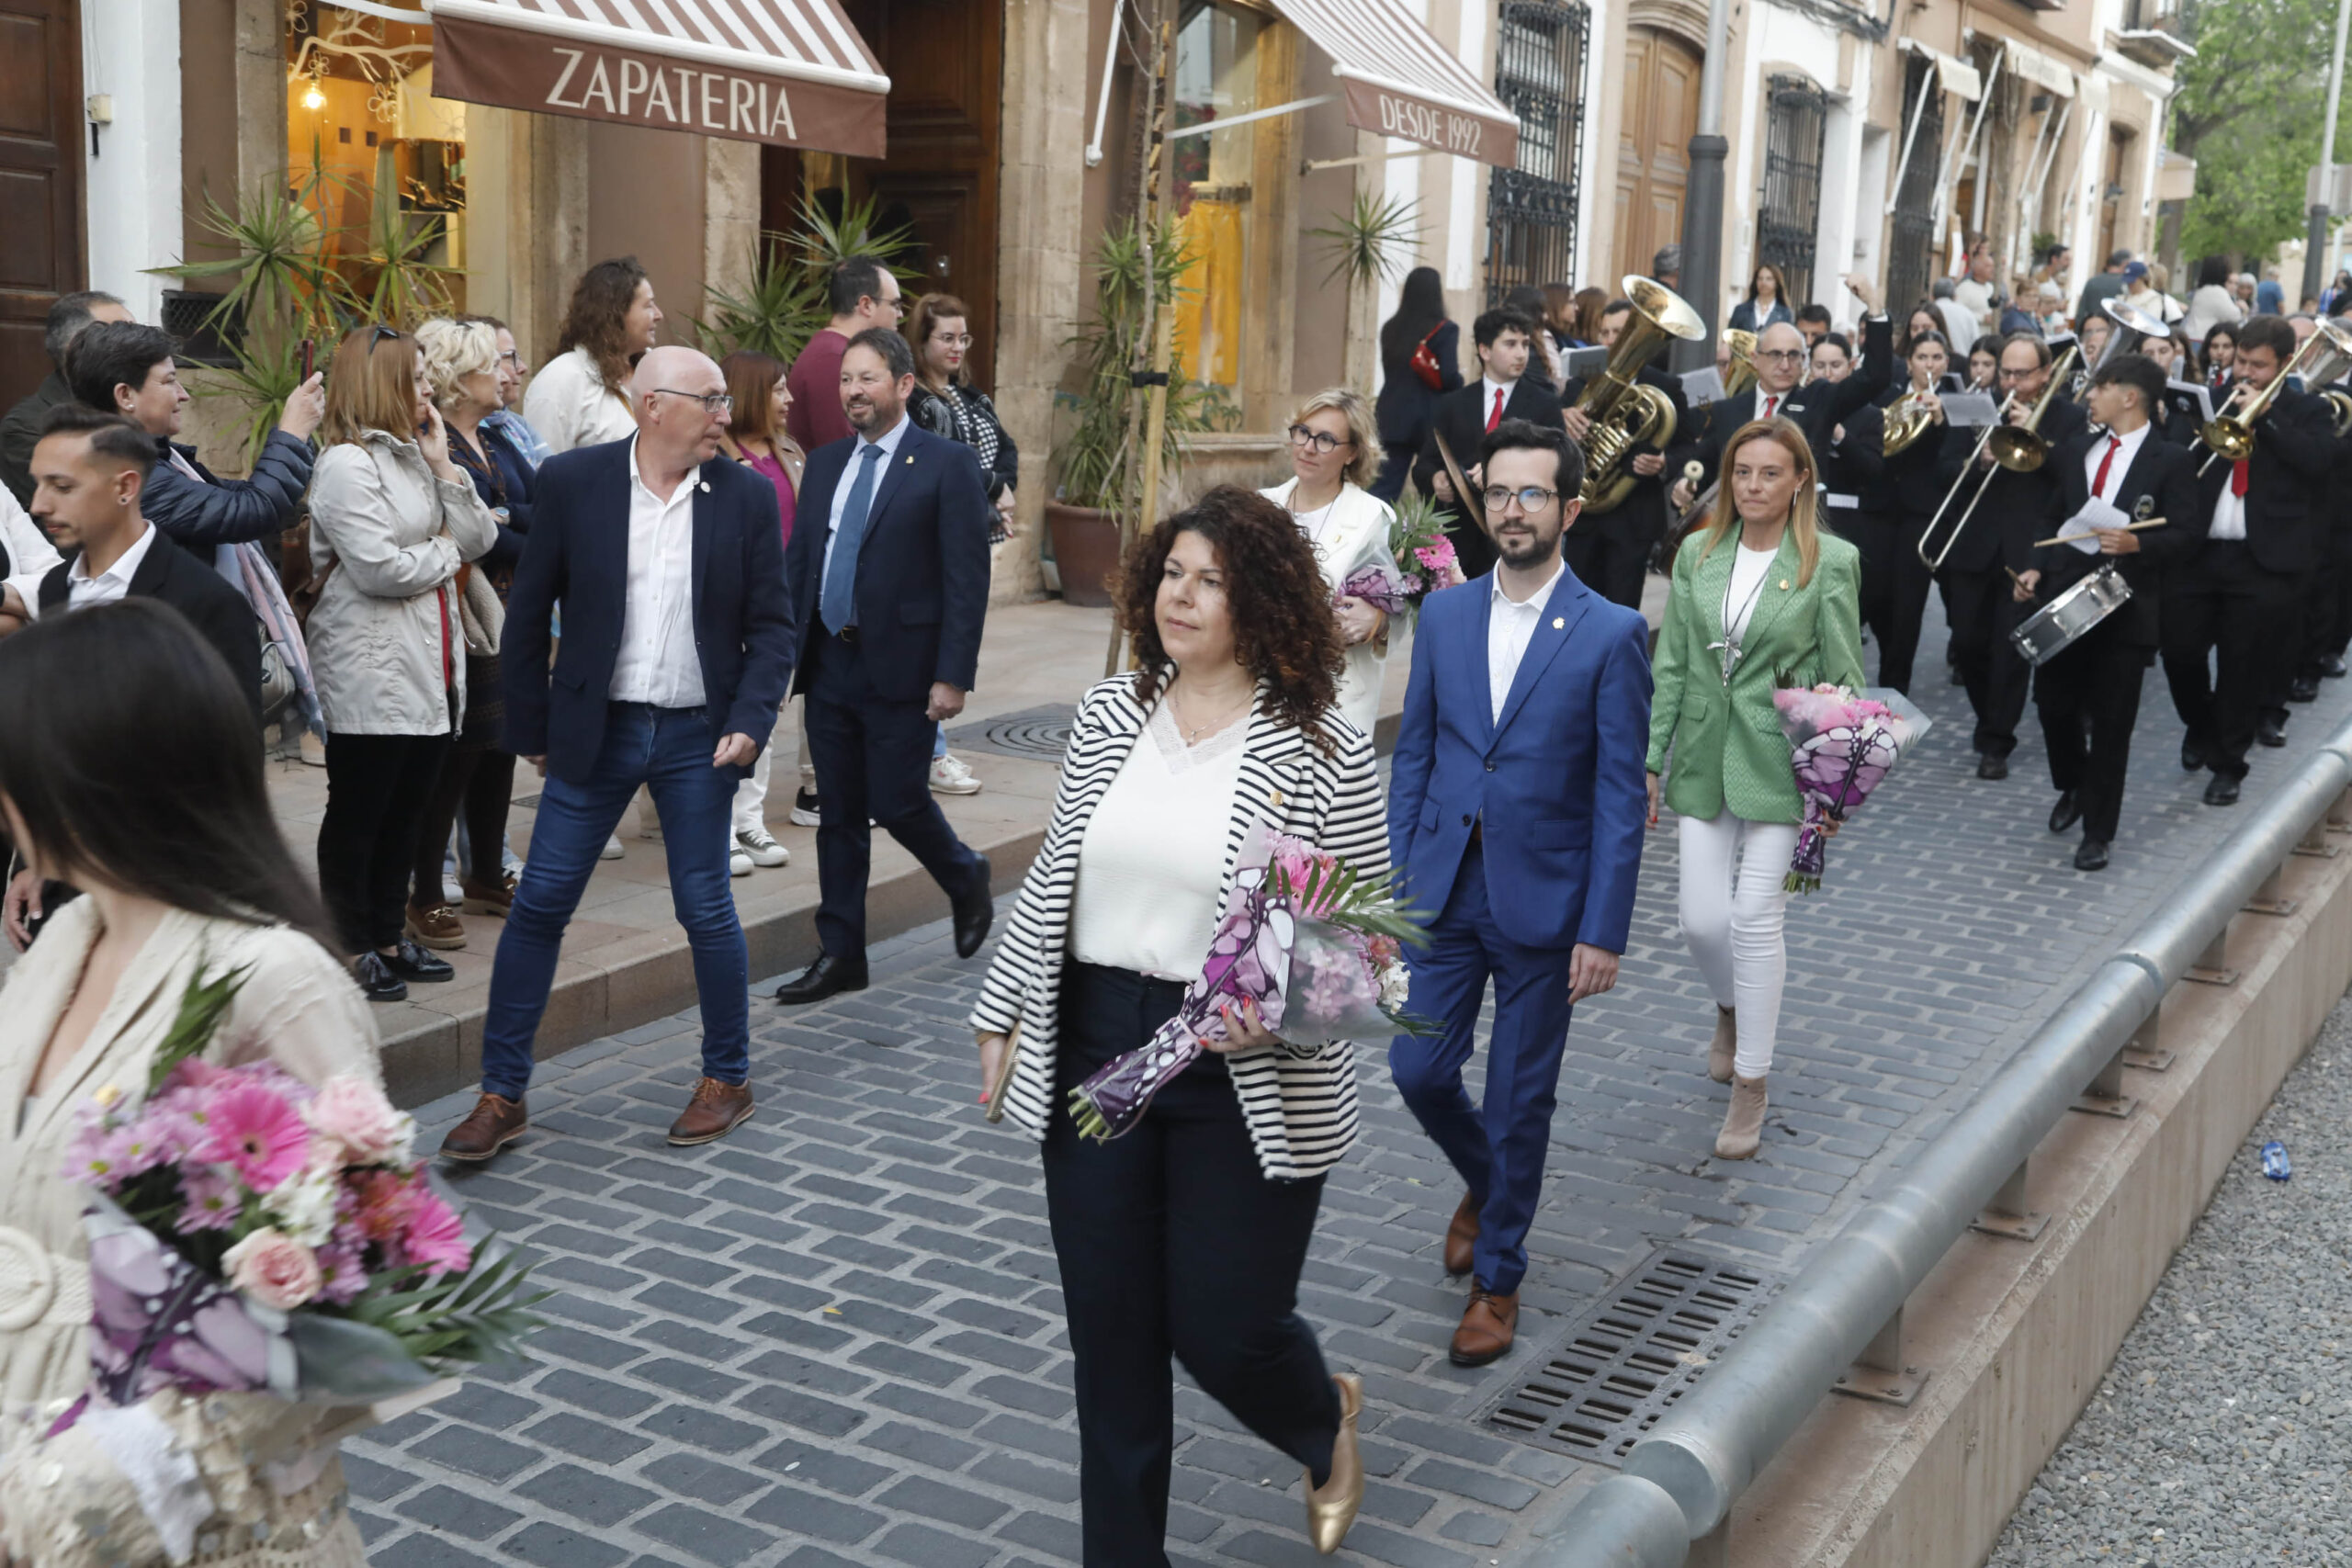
(2322, 588)
(440, 815)
(2098, 680)
(1982, 613)
(2060, 699)
(490, 793)
(2190, 619)
(377, 789)
(1171, 1243)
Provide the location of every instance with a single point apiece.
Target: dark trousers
(2094, 686)
(2224, 607)
(1895, 590)
(1498, 1152)
(1172, 1242)
(1396, 468)
(377, 786)
(480, 781)
(873, 754)
(1983, 612)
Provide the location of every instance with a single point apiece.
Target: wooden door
(1654, 147)
(41, 180)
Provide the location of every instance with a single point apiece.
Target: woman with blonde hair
(1763, 598)
(391, 521)
(1333, 455)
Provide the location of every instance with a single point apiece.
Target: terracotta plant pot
(1086, 547)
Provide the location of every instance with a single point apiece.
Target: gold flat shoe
(1331, 1507)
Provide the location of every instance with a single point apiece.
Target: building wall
(130, 52)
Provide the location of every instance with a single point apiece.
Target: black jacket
(2161, 482)
(1461, 417)
(20, 433)
(2001, 530)
(218, 612)
(1642, 512)
(228, 511)
(1910, 484)
(932, 411)
(1817, 408)
(2287, 514)
(1406, 400)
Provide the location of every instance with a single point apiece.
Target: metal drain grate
(1034, 734)
(1626, 1363)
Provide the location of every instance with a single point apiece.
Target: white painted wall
(1596, 175)
(130, 50)
(1876, 153)
(1465, 243)
(1781, 40)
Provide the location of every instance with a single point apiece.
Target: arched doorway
(1661, 115)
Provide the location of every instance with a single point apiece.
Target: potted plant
(1099, 458)
(783, 303)
(1374, 239)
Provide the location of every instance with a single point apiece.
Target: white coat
(1355, 535)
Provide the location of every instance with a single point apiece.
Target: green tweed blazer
(1727, 742)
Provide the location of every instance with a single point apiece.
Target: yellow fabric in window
(1208, 301)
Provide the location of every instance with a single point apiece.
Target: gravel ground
(2223, 1432)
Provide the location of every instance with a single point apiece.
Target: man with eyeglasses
(1526, 725)
(862, 293)
(677, 648)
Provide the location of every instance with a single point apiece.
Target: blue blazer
(577, 554)
(922, 573)
(1558, 782)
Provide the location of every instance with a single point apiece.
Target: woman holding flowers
(1185, 1236)
(189, 881)
(1333, 455)
(1763, 598)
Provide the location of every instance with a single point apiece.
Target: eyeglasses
(512, 356)
(379, 335)
(1323, 442)
(895, 304)
(1533, 498)
(712, 403)
(1790, 355)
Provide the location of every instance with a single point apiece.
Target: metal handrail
(1679, 1484)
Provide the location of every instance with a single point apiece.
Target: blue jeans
(668, 752)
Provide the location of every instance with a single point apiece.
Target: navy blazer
(1559, 782)
(577, 554)
(923, 572)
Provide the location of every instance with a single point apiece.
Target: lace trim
(1181, 759)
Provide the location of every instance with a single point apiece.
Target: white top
(657, 662)
(2229, 516)
(1972, 297)
(2208, 308)
(1748, 569)
(1489, 388)
(1151, 865)
(29, 551)
(1351, 533)
(1960, 323)
(1510, 626)
(82, 590)
(2127, 449)
(889, 442)
(569, 404)
(1767, 404)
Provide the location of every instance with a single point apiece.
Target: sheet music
(1701, 388)
(2186, 393)
(1970, 409)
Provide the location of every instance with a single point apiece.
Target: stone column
(260, 94)
(730, 217)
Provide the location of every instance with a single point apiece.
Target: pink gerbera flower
(257, 1130)
(435, 1236)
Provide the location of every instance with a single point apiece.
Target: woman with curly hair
(1185, 1236)
(581, 397)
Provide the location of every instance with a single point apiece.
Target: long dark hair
(1420, 306)
(130, 754)
(597, 318)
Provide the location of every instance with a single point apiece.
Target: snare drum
(2062, 622)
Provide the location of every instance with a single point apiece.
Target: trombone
(2019, 448)
(2322, 356)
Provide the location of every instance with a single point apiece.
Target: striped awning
(1400, 81)
(794, 72)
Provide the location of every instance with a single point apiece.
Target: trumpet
(2018, 447)
(1907, 421)
(1740, 363)
(1625, 411)
(2323, 357)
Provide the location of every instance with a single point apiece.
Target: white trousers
(1732, 906)
(752, 794)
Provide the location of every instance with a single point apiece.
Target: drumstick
(2128, 528)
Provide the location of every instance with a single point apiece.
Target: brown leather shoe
(1488, 1326)
(717, 1110)
(496, 1121)
(436, 926)
(488, 897)
(1462, 1235)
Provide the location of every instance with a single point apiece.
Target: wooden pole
(1158, 327)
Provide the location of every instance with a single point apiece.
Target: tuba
(2339, 408)
(2323, 357)
(1624, 413)
(1740, 363)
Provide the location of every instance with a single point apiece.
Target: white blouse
(569, 404)
(1151, 865)
(1748, 569)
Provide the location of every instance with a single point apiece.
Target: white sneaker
(738, 863)
(805, 808)
(611, 850)
(758, 844)
(452, 890)
(950, 776)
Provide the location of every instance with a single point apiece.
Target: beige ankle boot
(1725, 1045)
(1744, 1123)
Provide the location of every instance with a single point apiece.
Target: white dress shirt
(82, 590)
(2126, 452)
(657, 662)
(2229, 514)
(1510, 626)
(1488, 388)
(889, 441)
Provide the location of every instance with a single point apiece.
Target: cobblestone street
(834, 1338)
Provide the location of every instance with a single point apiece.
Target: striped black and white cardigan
(1299, 1100)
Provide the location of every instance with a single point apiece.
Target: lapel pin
(1784, 585)
(705, 487)
(1274, 797)
(1559, 623)
(910, 462)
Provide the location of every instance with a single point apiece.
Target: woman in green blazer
(1763, 599)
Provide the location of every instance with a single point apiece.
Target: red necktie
(2106, 461)
(1771, 402)
(2237, 477)
(1494, 414)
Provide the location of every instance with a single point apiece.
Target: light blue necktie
(839, 602)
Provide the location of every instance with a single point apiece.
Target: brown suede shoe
(717, 1110)
(1744, 1121)
(436, 926)
(488, 897)
(496, 1121)
(1461, 1236)
(1488, 1326)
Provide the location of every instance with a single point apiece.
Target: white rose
(304, 1205)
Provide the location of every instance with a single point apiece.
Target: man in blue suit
(667, 561)
(889, 574)
(1516, 807)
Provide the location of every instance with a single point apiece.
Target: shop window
(1532, 209)
(1216, 78)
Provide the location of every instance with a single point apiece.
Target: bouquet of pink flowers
(1843, 742)
(1317, 946)
(250, 1231)
(1423, 556)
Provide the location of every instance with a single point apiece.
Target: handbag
(1425, 363)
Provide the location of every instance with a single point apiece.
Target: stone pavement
(834, 1339)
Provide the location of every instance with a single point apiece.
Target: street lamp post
(2315, 245)
(1703, 211)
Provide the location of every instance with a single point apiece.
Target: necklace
(1730, 646)
(1192, 733)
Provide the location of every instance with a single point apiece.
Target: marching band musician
(1464, 418)
(1609, 551)
(2088, 694)
(2260, 526)
(1899, 494)
(1996, 543)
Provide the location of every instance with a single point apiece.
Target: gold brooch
(1784, 585)
(1558, 622)
(1274, 797)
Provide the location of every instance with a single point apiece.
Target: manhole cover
(1625, 1365)
(1037, 734)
